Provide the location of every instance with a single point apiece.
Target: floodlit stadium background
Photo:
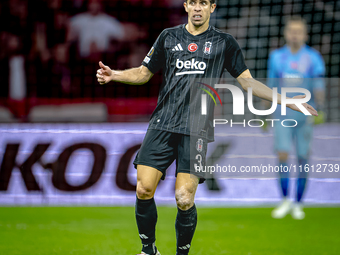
(50, 97)
(47, 80)
(56, 74)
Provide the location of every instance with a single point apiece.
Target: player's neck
(295, 48)
(196, 30)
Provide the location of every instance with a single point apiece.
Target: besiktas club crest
(207, 48)
(199, 145)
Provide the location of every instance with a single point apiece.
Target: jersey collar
(303, 47)
(195, 36)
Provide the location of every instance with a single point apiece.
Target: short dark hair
(297, 19)
(211, 1)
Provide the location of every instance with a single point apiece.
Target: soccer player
(296, 65)
(184, 52)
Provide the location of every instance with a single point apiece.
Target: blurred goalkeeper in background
(296, 65)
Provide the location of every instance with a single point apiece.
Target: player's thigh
(157, 151)
(304, 136)
(147, 181)
(283, 138)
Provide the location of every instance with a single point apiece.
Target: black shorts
(160, 148)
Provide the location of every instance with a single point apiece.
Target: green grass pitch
(112, 230)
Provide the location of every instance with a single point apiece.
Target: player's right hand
(104, 74)
(265, 124)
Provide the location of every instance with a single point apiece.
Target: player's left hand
(309, 108)
(320, 119)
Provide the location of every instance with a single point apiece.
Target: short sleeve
(76, 21)
(318, 66)
(115, 28)
(318, 72)
(234, 60)
(155, 59)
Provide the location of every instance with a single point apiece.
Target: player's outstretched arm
(133, 76)
(260, 90)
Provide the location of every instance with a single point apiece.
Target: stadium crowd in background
(36, 41)
(49, 49)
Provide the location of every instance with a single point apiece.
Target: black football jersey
(185, 60)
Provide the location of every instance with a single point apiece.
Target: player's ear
(213, 7)
(306, 38)
(185, 6)
(285, 33)
(306, 35)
